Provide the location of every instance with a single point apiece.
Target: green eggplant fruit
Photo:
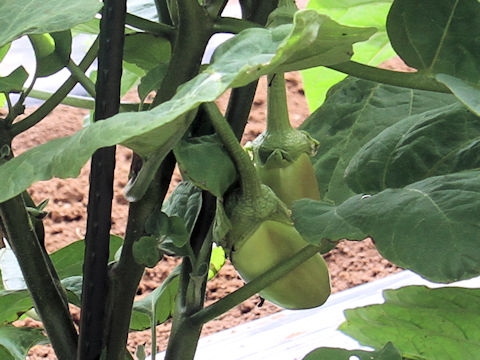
(281, 154)
(307, 286)
(292, 182)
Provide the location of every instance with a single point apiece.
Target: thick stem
(277, 109)
(38, 271)
(56, 98)
(126, 274)
(83, 79)
(254, 286)
(97, 238)
(190, 299)
(251, 187)
(47, 296)
(389, 77)
(232, 25)
(194, 31)
(150, 26)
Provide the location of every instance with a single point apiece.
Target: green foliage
(436, 216)
(217, 175)
(13, 304)
(372, 52)
(15, 81)
(438, 142)
(69, 260)
(388, 352)
(423, 323)
(52, 51)
(396, 164)
(159, 303)
(50, 16)
(15, 342)
(158, 130)
(146, 50)
(355, 112)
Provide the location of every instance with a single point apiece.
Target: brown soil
(350, 264)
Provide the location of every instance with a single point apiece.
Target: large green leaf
(434, 219)
(354, 112)
(13, 304)
(215, 175)
(467, 93)
(437, 142)
(251, 54)
(146, 50)
(437, 36)
(15, 342)
(389, 352)
(423, 323)
(68, 261)
(372, 52)
(21, 17)
(159, 303)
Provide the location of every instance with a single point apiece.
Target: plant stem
(153, 27)
(241, 99)
(277, 109)
(56, 98)
(81, 102)
(254, 286)
(126, 274)
(39, 274)
(396, 78)
(251, 187)
(47, 296)
(194, 31)
(83, 79)
(97, 237)
(232, 25)
(190, 298)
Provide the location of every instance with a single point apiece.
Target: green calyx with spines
(246, 214)
(280, 144)
(279, 149)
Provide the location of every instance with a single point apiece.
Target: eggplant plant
(385, 154)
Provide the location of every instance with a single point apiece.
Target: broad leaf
(437, 36)
(69, 260)
(185, 202)
(52, 51)
(436, 142)
(434, 219)
(423, 323)
(467, 93)
(21, 17)
(15, 342)
(151, 81)
(13, 304)
(146, 251)
(389, 352)
(251, 54)
(73, 286)
(15, 81)
(146, 50)
(354, 112)
(215, 175)
(372, 52)
(159, 303)
(168, 234)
